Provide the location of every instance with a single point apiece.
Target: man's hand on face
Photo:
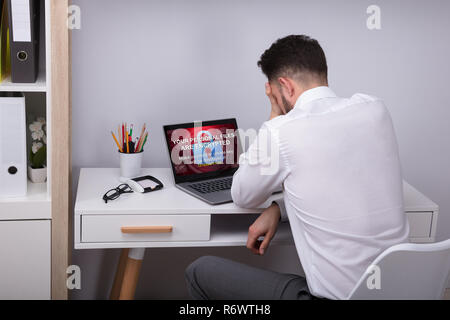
(276, 109)
(266, 225)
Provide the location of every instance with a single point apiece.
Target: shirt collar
(314, 94)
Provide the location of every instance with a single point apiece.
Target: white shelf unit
(37, 203)
(35, 206)
(27, 221)
(39, 86)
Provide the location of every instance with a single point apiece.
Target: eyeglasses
(113, 194)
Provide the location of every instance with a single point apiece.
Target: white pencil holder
(130, 164)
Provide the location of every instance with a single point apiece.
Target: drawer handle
(147, 229)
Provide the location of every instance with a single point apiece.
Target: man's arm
(261, 171)
(257, 179)
(282, 208)
(266, 225)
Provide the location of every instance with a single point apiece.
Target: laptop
(204, 156)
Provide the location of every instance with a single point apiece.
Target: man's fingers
(268, 89)
(255, 250)
(252, 241)
(265, 243)
(254, 247)
(269, 94)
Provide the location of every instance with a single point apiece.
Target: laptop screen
(202, 150)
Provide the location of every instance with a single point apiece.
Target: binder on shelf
(13, 154)
(24, 39)
(5, 57)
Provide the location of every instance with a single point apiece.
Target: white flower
(37, 135)
(36, 126)
(41, 120)
(36, 146)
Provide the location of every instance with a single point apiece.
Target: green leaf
(31, 157)
(39, 158)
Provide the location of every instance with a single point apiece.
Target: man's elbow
(235, 195)
(241, 199)
(243, 203)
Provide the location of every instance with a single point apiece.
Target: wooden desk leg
(131, 273)
(118, 279)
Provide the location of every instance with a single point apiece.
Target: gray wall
(172, 61)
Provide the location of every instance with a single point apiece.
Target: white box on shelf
(13, 154)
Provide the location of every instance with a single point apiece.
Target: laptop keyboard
(213, 185)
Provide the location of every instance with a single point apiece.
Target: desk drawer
(135, 228)
(419, 224)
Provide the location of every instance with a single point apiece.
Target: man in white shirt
(337, 160)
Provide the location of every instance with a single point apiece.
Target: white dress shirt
(338, 162)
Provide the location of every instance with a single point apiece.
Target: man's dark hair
(296, 56)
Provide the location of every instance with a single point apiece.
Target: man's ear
(287, 87)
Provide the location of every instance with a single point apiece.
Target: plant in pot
(37, 170)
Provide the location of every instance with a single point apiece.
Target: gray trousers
(214, 278)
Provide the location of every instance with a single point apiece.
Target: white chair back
(406, 271)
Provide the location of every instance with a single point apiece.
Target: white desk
(192, 222)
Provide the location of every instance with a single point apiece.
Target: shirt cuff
(284, 216)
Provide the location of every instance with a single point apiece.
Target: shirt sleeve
(262, 170)
(281, 205)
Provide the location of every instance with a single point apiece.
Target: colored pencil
(136, 145)
(143, 133)
(141, 148)
(119, 133)
(141, 142)
(123, 134)
(145, 141)
(128, 145)
(141, 136)
(117, 142)
(125, 140)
